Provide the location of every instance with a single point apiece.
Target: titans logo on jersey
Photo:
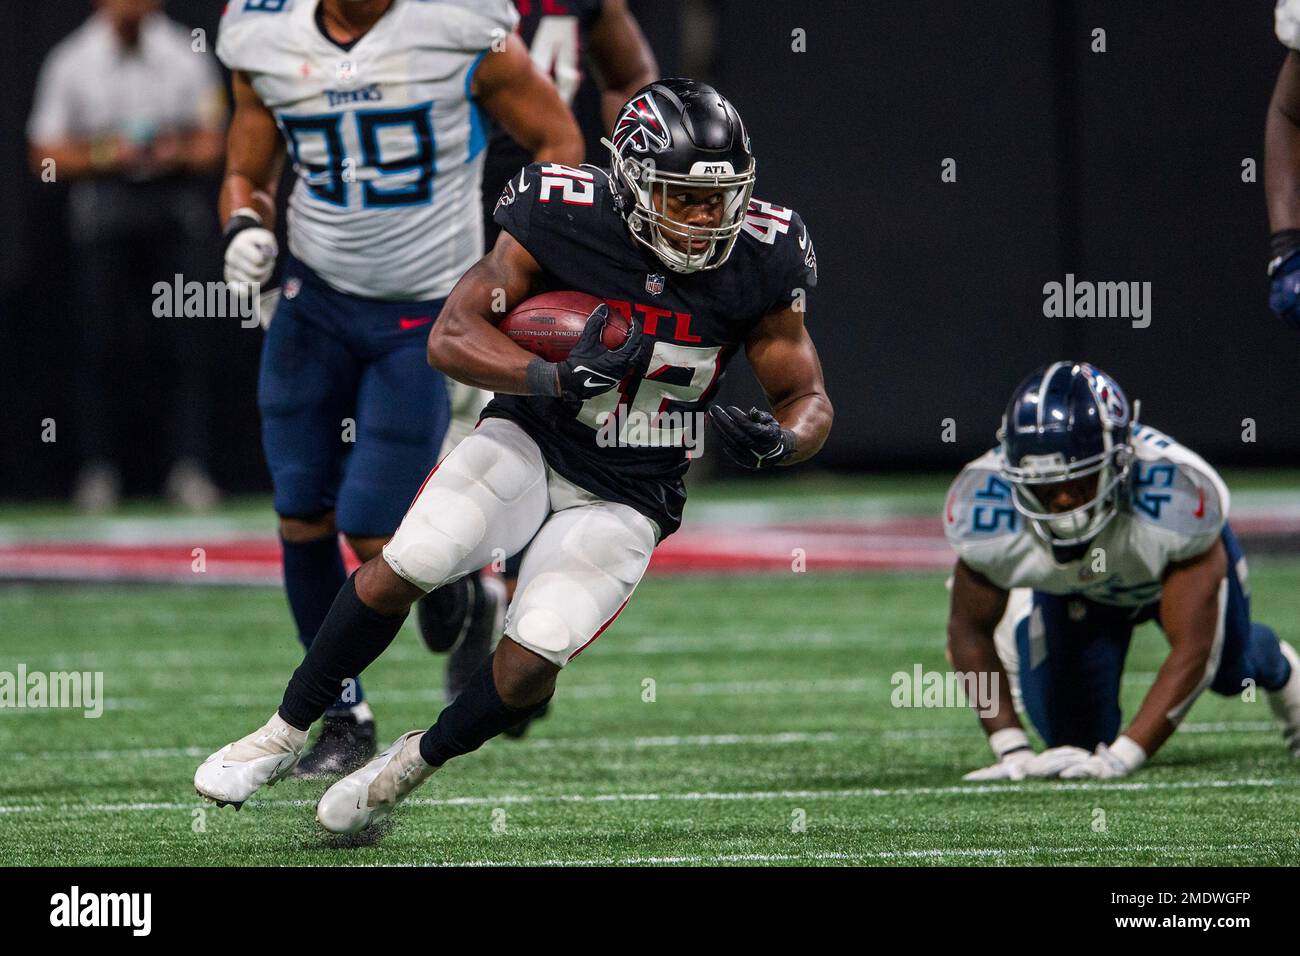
(630, 444)
(383, 133)
(1174, 508)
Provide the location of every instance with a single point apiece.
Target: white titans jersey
(1286, 22)
(386, 142)
(1173, 508)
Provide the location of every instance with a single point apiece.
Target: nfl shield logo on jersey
(292, 286)
(654, 284)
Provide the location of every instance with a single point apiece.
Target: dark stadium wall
(1117, 166)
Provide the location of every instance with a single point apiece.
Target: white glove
(1118, 760)
(1011, 745)
(1010, 767)
(250, 255)
(1055, 760)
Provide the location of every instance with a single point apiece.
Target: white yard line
(816, 857)
(637, 743)
(853, 793)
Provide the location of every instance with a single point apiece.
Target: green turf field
(771, 709)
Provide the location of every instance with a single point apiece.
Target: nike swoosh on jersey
(404, 323)
(524, 185)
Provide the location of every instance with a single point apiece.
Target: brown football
(549, 324)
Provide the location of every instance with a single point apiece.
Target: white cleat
(264, 757)
(1285, 701)
(368, 795)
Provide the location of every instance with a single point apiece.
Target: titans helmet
(673, 134)
(1067, 421)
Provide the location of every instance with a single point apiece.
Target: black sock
(313, 574)
(350, 639)
(476, 716)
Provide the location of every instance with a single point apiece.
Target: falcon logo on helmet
(1065, 422)
(683, 136)
(641, 127)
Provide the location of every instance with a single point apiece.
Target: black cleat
(518, 730)
(344, 745)
(464, 611)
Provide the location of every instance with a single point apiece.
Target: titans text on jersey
(386, 141)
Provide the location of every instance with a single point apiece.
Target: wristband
(1008, 740)
(1282, 245)
(1128, 752)
(241, 219)
(542, 378)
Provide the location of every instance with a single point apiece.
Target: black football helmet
(1067, 420)
(680, 133)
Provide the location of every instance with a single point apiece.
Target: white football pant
(492, 496)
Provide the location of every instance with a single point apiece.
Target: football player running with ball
(1080, 526)
(561, 464)
(380, 105)
(569, 41)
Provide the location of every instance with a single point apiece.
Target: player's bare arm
(254, 156)
(465, 343)
(977, 604)
(1282, 148)
(1282, 189)
(784, 360)
(1189, 611)
(621, 59)
(527, 105)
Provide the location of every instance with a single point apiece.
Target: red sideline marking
(901, 544)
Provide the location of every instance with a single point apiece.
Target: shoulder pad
(549, 195)
(780, 239)
(1178, 497)
(251, 33)
(979, 508)
(463, 24)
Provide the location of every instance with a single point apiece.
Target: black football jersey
(631, 444)
(555, 32)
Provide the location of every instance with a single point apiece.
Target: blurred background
(1117, 166)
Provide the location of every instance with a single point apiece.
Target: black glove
(754, 440)
(591, 369)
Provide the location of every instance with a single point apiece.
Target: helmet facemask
(641, 181)
(1036, 476)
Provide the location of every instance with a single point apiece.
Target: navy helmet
(679, 133)
(1067, 421)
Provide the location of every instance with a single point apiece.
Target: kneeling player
(561, 463)
(1100, 524)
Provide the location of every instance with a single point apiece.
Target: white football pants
(492, 496)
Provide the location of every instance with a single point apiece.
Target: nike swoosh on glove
(591, 369)
(1010, 767)
(752, 440)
